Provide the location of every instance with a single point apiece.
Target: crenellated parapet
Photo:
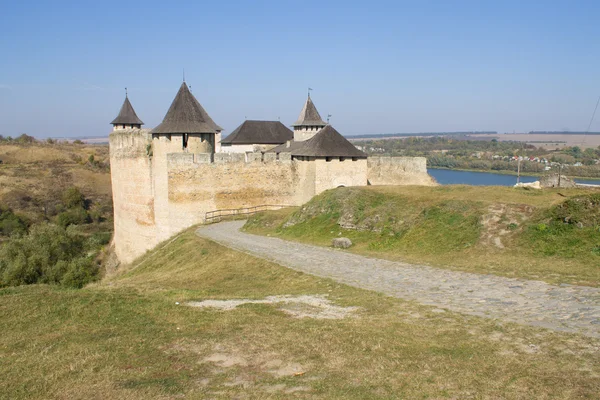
(190, 159)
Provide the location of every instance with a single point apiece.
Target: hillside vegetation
(133, 336)
(551, 235)
(55, 211)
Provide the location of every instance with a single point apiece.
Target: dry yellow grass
(32, 173)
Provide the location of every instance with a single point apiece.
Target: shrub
(73, 198)
(78, 273)
(77, 141)
(98, 240)
(73, 216)
(25, 139)
(49, 254)
(11, 223)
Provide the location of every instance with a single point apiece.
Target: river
(453, 177)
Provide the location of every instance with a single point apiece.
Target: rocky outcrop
(556, 180)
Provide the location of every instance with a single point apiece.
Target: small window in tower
(327, 159)
(354, 158)
(342, 158)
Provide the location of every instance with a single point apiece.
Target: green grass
(550, 235)
(127, 338)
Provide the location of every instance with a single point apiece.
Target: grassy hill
(550, 235)
(132, 336)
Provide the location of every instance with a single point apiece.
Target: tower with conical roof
(309, 122)
(127, 118)
(188, 124)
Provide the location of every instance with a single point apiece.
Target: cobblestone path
(563, 308)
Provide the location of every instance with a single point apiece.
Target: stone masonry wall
(336, 173)
(399, 171)
(132, 189)
(197, 185)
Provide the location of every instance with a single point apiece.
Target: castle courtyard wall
(231, 181)
(384, 170)
(339, 171)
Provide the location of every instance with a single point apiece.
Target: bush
(78, 273)
(11, 223)
(49, 254)
(25, 139)
(73, 198)
(74, 216)
(98, 240)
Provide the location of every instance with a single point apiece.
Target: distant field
(550, 142)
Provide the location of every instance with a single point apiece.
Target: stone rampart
(384, 170)
(195, 188)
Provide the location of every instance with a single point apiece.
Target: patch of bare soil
(234, 367)
(501, 221)
(306, 306)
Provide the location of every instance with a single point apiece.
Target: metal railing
(219, 215)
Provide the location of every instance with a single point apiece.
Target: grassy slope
(457, 227)
(127, 338)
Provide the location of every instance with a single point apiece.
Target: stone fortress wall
(384, 170)
(159, 189)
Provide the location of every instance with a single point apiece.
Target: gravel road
(566, 308)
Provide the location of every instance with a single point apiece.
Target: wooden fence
(233, 213)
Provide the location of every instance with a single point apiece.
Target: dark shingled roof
(259, 132)
(186, 115)
(127, 115)
(326, 143)
(285, 149)
(309, 116)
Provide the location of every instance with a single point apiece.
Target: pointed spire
(127, 115)
(309, 116)
(186, 115)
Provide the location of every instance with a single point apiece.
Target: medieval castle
(166, 179)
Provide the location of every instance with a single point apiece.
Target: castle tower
(127, 118)
(187, 126)
(309, 122)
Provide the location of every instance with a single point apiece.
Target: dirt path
(563, 308)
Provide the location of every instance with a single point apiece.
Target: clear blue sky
(376, 66)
